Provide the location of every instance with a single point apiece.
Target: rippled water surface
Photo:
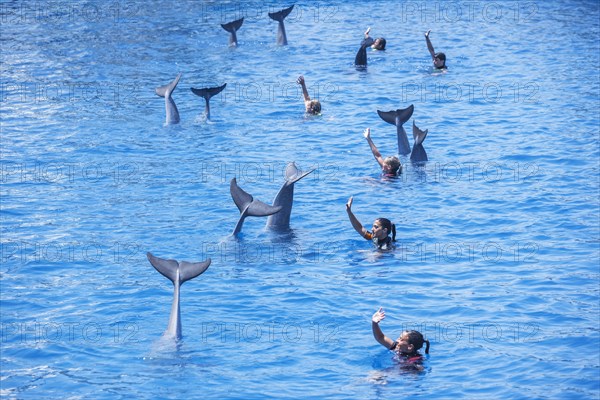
(497, 257)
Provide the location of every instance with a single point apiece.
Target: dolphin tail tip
(167, 89)
(207, 93)
(233, 26)
(419, 135)
(280, 15)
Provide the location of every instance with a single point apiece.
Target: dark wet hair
(394, 163)
(381, 44)
(416, 339)
(441, 56)
(315, 106)
(387, 224)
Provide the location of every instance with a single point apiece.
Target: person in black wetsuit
(439, 59)
(379, 234)
(376, 44)
(406, 346)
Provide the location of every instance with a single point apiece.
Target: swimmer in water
(439, 59)
(390, 166)
(361, 56)
(406, 346)
(377, 44)
(312, 106)
(379, 234)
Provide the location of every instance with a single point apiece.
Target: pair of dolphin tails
(232, 28)
(170, 108)
(178, 273)
(207, 93)
(285, 198)
(248, 206)
(279, 16)
(398, 118)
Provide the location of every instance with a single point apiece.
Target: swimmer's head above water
(313, 107)
(382, 228)
(439, 60)
(391, 166)
(410, 342)
(379, 44)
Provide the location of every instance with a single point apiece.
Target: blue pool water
(497, 257)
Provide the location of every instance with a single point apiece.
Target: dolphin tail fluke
(280, 15)
(248, 206)
(166, 90)
(233, 26)
(419, 135)
(418, 153)
(260, 209)
(188, 271)
(399, 116)
(241, 199)
(169, 268)
(207, 93)
(405, 114)
(293, 175)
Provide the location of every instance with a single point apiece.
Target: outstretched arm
(301, 82)
(353, 220)
(429, 45)
(374, 150)
(377, 333)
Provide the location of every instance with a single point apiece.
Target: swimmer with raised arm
(379, 234)
(390, 166)
(439, 59)
(377, 44)
(407, 345)
(312, 106)
(360, 60)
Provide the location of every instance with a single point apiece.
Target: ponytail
(427, 346)
(387, 224)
